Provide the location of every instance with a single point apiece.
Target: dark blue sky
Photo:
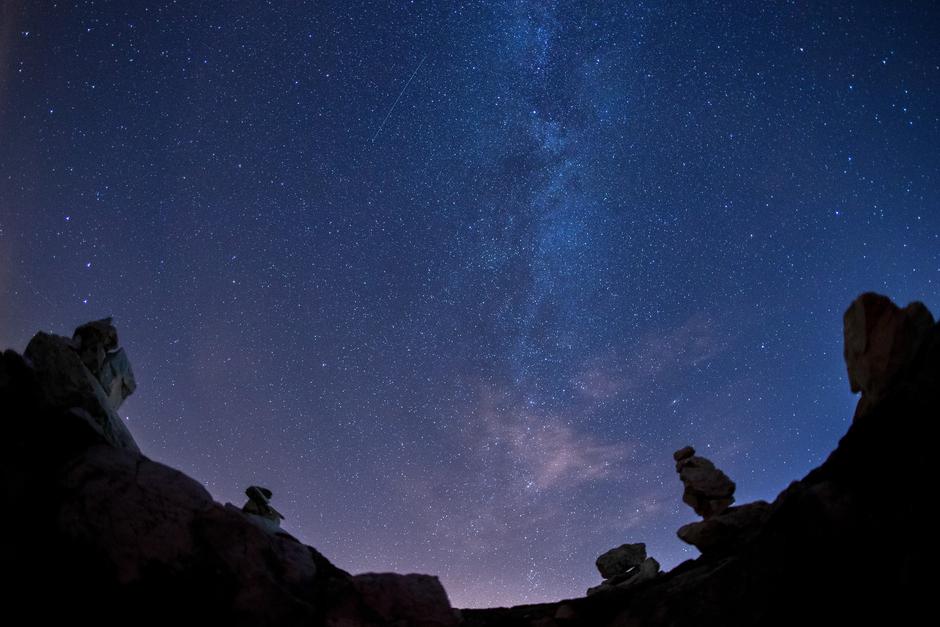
(455, 280)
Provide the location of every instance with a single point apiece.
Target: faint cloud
(552, 454)
(655, 355)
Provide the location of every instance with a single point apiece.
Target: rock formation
(707, 490)
(259, 510)
(801, 558)
(624, 566)
(710, 493)
(88, 377)
(882, 342)
(727, 530)
(113, 538)
(406, 599)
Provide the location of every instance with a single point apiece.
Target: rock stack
(625, 566)
(710, 493)
(707, 490)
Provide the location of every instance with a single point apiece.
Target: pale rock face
(117, 377)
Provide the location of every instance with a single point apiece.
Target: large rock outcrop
(804, 559)
(100, 534)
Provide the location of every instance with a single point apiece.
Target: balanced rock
(259, 508)
(621, 559)
(882, 340)
(707, 490)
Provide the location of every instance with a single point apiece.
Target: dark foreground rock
(619, 560)
(96, 533)
(805, 559)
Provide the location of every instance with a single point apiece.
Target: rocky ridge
(113, 537)
(806, 557)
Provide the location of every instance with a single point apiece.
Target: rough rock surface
(806, 562)
(103, 535)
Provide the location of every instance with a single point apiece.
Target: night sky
(454, 281)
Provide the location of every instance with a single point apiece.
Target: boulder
(414, 600)
(646, 570)
(619, 560)
(683, 453)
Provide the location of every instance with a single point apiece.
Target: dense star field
(455, 280)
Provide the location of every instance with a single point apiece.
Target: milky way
(455, 280)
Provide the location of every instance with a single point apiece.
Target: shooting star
(399, 98)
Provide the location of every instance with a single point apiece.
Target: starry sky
(454, 280)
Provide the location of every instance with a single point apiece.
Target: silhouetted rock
(683, 453)
(93, 341)
(621, 559)
(707, 490)
(259, 510)
(881, 341)
(113, 538)
(413, 600)
(644, 571)
(801, 560)
(727, 530)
